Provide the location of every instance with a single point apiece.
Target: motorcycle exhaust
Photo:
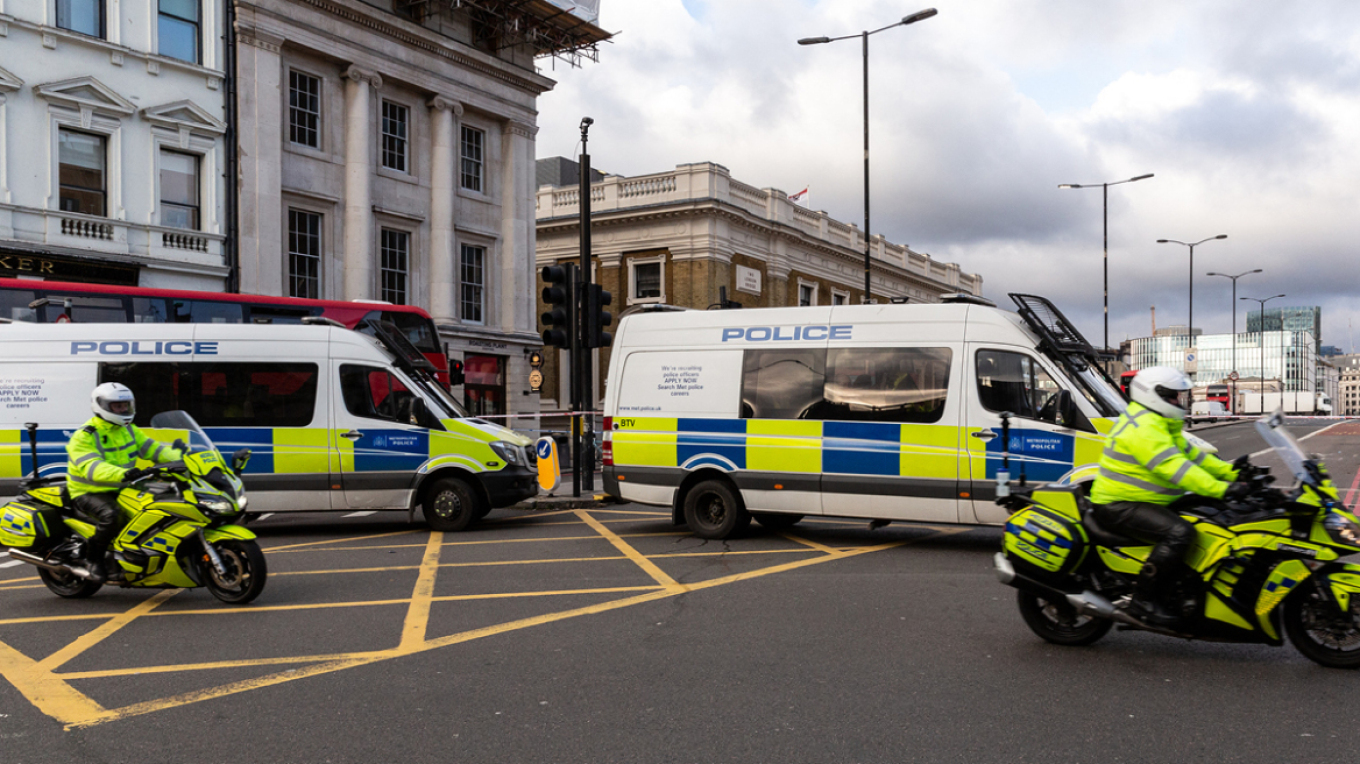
(1005, 571)
(37, 561)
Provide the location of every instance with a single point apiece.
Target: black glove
(1237, 491)
(137, 473)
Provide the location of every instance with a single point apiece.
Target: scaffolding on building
(564, 31)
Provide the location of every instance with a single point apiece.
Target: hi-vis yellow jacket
(1148, 459)
(100, 452)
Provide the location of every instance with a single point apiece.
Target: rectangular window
(304, 109)
(846, 384)
(221, 394)
(177, 29)
(394, 248)
(179, 190)
(206, 312)
(646, 281)
(394, 136)
(375, 393)
(838, 298)
(304, 254)
(472, 148)
(83, 16)
(782, 384)
(1016, 383)
(82, 161)
(484, 384)
(473, 283)
(807, 295)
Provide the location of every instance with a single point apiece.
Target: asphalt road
(611, 636)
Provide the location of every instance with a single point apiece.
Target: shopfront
(484, 384)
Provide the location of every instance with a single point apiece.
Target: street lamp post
(1233, 399)
(864, 37)
(1263, 301)
(1105, 215)
(1190, 329)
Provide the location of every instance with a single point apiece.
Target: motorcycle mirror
(180, 445)
(239, 459)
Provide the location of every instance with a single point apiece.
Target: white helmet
(1163, 389)
(113, 403)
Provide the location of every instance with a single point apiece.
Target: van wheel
(776, 521)
(451, 505)
(714, 511)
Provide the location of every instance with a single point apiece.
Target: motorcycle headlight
(1342, 527)
(510, 453)
(242, 502)
(217, 506)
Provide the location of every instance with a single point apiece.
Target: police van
(885, 412)
(335, 419)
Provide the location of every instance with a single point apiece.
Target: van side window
(885, 385)
(374, 393)
(1013, 382)
(781, 384)
(221, 394)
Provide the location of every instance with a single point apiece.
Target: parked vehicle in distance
(1298, 402)
(1206, 411)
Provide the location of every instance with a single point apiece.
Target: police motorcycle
(178, 526)
(1260, 569)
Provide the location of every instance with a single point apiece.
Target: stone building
(112, 116)
(676, 237)
(1348, 395)
(387, 153)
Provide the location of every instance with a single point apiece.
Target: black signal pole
(584, 458)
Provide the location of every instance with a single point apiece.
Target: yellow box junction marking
(52, 693)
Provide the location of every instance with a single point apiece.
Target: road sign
(1233, 376)
(549, 469)
(535, 359)
(535, 381)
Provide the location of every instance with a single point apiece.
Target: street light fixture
(1232, 401)
(864, 36)
(1105, 204)
(1190, 329)
(1263, 302)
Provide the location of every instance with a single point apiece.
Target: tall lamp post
(1190, 329)
(864, 36)
(1233, 399)
(1263, 301)
(1105, 215)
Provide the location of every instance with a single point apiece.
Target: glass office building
(1209, 360)
(1297, 319)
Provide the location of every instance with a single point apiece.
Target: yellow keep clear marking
(52, 691)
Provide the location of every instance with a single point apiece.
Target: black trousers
(1153, 524)
(102, 510)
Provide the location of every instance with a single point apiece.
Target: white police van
(887, 412)
(335, 419)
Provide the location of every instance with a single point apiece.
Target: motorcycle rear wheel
(1060, 623)
(246, 572)
(1320, 633)
(68, 585)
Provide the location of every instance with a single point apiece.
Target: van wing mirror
(1060, 409)
(421, 415)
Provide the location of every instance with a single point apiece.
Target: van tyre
(68, 585)
(1320, 632)
(245, 572)
(713, 510)
(776, 521)
(452, 505)
(1059, 622)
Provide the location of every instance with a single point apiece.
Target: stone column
(358, 183)
(518, 227)
(263, 261)
(443, 264)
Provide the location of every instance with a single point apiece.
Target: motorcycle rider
(1146, 465)
(103, 460)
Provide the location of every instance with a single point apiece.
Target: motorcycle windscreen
(1272, 430)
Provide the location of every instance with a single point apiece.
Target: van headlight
(509, 452)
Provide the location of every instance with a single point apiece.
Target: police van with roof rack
(884, 412)
(336, 419)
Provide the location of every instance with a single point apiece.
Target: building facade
(112, 156)
(1295, 319)
(678, 237)
(387, 153)
(1348, 396)
(1288, 360)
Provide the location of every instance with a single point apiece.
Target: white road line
(265, 516)
(362, 514)
(11, 563)
(1263, 452)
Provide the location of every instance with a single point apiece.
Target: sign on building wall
(748, 280)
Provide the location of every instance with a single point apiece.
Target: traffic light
(597, 318)
(455, 373)
(558, 292)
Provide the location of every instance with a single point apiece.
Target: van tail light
(608, 423)
(607, 444)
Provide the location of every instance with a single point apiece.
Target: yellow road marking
(819, 547)
(496, 563)
(103, 631)
(418, 616)
(590, 537)
(19, 580)
(51, 695)
(339, 541)
(647, 565)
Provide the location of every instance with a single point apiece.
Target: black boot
(94, 562)
(1147, 603)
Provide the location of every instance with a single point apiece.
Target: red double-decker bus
(1218, 393)
(1124, 380)
(56, 301)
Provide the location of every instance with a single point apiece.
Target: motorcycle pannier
(30, 527)
(1043, 543)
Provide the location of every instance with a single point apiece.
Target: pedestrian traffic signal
(558, 292)
(597, 318)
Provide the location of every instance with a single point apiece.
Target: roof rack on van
(966, 299)
(1058, 336)
(322, 321)
(395, 342)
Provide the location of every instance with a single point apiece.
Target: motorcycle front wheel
(1322, 634)
(1060, 623)
(245, 572)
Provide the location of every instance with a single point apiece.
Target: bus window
(207, 312)
(149, 310)
(84, 310)
(417, 328)
(278, 314)
(14, 304)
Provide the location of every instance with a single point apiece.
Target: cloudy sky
(1248, 114)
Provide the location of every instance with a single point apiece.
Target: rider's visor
(120, 407)
(1179, 398)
